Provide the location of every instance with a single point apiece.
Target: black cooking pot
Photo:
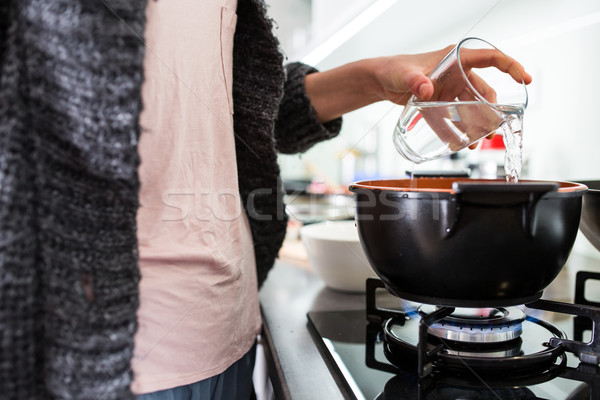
(465, 242)
(590, 213)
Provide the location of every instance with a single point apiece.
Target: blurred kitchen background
(558, 42)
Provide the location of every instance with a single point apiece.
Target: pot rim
(592, 185)
(444, 185)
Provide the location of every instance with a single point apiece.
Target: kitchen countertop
(297, 368)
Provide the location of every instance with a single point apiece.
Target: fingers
(425, 91)
(488, 137)
(419, 85)
(483, 58)
(482, 87)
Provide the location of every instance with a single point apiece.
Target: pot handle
(502, 194)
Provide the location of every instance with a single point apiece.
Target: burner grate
(431, 357)
(588, 353)
(431, 352)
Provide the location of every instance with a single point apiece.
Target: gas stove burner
(477, 325)
(521, 354)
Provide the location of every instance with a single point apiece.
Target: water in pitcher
(431, 130)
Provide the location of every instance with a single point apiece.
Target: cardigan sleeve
(297, 127)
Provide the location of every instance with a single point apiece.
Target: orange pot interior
(445, 184)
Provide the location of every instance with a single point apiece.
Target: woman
(217, 105)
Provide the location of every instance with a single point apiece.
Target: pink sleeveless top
(199, 309)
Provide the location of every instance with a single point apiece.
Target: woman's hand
(401, 76)
(355, 85)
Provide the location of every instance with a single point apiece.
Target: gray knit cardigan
(70, 77)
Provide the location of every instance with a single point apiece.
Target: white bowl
(335, 253)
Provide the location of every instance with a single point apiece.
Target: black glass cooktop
(355, 350)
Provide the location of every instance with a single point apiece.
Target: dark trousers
(235, 383)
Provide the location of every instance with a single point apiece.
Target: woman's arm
(349, 87)
(313, 102)
(297, 127)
